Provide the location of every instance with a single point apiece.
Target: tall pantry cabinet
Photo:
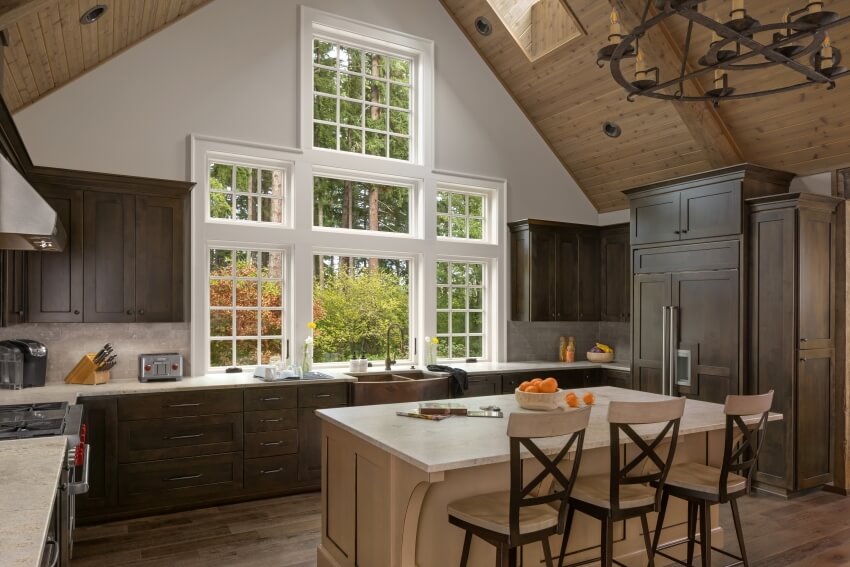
(792, 335)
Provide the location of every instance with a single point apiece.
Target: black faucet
(388, 363)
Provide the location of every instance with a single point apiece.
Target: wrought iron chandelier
(800, 42)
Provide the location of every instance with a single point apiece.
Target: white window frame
(490, 272)
(490, 211)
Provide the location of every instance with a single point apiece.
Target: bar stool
(508, 520)
(625, 493)
(703, 485)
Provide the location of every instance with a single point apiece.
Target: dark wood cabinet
(616, 274)
(100, 416)
(484, 385)
(791, 332)
(616, 378)
(555, 271)
(159, 259)
(310, 450)
(13, 266)
(55, 279)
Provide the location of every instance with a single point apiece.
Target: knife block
(86, 372)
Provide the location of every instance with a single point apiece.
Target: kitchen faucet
(388, 363)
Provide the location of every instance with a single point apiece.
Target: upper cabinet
(707, 205)
(616, 273)
(556, 272)
(125, 258)
(12, 287)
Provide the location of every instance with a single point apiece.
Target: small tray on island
(449, 409)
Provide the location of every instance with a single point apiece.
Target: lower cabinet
(616, 378)
(567, 379)
(151, 453)
(484, 385)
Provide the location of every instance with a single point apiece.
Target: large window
(245, 193)
(356, 299)
(361, 205)
(461, 214)
(246, 306)
(362, 100)
(461, 309)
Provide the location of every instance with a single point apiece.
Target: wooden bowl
(540, 401)
(600, 357)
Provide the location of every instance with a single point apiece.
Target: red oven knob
(79, 455)
(148, 367)
(175, 366)
(83, 434)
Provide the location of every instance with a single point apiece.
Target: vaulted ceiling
(568, 98)
(48, 46)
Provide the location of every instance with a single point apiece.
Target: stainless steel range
(26, 421)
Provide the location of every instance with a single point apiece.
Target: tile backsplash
(541, 340)
(67, 342)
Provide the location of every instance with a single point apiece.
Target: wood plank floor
(809, 531)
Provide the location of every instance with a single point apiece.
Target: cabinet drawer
(153, 439)
(179, 404)
(163, 482)
(323, 395)
(686, 258)
(273, 420)
(484, 385)
(618, 379)
(271, 443)
(271, 473)
(258, 399)
(510, 382)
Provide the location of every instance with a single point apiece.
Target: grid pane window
(362, 100)
(461, 215)
(359, 205)
(246, 306)
(244, 193)
(356, 299)
(460, 309)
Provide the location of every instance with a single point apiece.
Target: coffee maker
(33, 364)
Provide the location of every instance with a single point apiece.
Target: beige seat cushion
(703, 478)
(596, 490)
(490, 511)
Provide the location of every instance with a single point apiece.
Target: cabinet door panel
(109, 258)
(484, 385)
(615, 275)
(567, 285)
(100, 416)
(651, 295)
(655, 218)
(707, 328)
(159, 258)
(544, 275)
(817, 273)
(588, 277)
(55, 279)
(814, 418)
(309, 446)
(711, 210)
(12, 287)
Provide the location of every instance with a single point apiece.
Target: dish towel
(459, 380)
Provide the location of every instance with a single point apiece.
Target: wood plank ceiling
(568, 99)
(48, 46)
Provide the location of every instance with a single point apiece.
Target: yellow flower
(435, 340)
(311, 325)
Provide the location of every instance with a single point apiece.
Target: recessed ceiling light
(483, 26)
(612, 130)
(93, 14)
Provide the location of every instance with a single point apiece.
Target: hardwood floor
(812, 530)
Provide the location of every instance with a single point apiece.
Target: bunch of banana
(604, 348)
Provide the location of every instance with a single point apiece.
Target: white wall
(230, 70)
(818, 183)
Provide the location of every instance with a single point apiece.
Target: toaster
(167, 366)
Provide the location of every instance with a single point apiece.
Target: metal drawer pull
(271, 399)
(273, 471)
(54, 552)
(192, 436)
(187, 477)
(82, 487)
(184, 405)
(275, 420)
(322, 395)
(270, 443)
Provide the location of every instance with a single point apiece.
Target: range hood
(27, 222)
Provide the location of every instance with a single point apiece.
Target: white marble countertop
(59, 392)
(462, 442)
(30, 470)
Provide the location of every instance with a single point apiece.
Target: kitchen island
(387, 480)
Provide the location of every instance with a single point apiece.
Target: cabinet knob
(21, 313)
(129, 312)
(677, 231)
(684, 231)
(804, 340)
(76, 311)
(141, 311)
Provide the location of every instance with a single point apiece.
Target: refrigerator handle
(665, 356)
(674, 345)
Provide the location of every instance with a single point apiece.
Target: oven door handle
(54, 552)
(82, 487)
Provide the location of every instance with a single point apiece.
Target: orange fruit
(537, 380)
(589, 398)
(533, 389)
(571, 395)
(549, 386)
(524, 385)
(572, 401)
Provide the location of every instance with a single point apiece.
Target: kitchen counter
(30, 470)
(59, 392)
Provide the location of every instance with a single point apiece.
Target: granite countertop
(57, 392)
(462, 442)
(30, 470)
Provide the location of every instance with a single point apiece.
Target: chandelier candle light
(799, 42)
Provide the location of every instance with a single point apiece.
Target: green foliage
(341, 203)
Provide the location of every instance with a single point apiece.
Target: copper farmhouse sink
(398, 386)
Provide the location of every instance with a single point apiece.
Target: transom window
(245, 193)
(362, 100)
(246, 306)
(361, 205)
(461, 214)
(460, 309)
